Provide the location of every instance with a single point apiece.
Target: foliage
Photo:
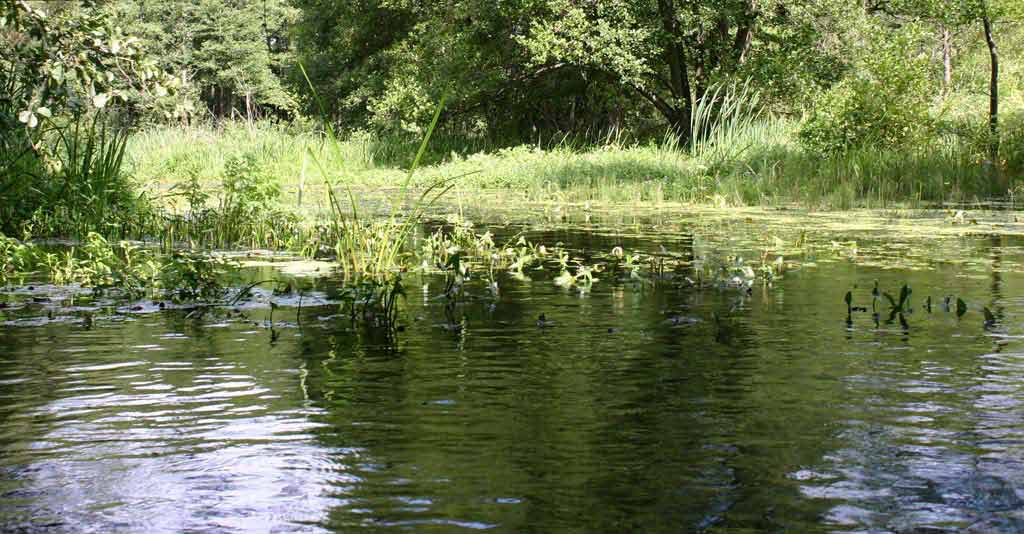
(64, 67)
(95, 264)
(187, 275)
(234, 53)
(551, 65)
(883, 103)
(247, 185)
(73, 183)
(68, 54)
(18, 258)
(183, 275)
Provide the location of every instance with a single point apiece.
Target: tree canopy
(521, 69)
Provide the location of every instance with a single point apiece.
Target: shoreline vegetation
(330, 142)
(762, 165)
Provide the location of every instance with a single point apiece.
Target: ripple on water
(768, 412)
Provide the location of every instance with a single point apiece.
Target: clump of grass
(374, 248)
(66, 179)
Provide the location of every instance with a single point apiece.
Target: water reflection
(766, 412)
(133, 429)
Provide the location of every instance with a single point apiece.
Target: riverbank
(760, 165)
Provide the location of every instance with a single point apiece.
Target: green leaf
(565, 279)
(989, 317)
(905, 292)
(961, 307)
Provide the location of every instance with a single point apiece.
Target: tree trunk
(680, 113)
(745, 34)
(993, 92)
(947, 59)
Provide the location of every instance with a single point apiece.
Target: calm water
(775, 417)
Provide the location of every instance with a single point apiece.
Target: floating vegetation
(123, 267)
(727, 256)
(899, 308)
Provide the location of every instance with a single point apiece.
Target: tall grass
(726, 122)
(67, 179)
(370, 247)
(90, 154)
(742, 155)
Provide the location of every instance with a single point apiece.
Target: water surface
(765, 412)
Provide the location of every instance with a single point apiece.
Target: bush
(247, 184)
(883, 103)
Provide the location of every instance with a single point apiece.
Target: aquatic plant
(195, 276)
(183, 275)
(583, 278)
(990, 318)
(902, 305)
(375, 248)
(374, 301)
(522, 255)
(17, 259)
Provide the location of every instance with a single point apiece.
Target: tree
(965, 13)
(60, 55)
(235, 53)
(528, 65)
(670, 51)
(62, 65)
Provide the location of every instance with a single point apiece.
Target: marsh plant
(368, 246)
(196, 276)
(374, 302)
(100, 265)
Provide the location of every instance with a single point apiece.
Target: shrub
(884, 102)
(247, 184)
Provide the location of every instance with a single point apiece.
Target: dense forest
(735, 101)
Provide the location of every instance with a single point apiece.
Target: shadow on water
(634, 407)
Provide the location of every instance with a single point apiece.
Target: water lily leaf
(905, 292)
(565, 279)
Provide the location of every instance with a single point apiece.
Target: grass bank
(760, 164)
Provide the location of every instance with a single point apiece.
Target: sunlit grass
(746, 162)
